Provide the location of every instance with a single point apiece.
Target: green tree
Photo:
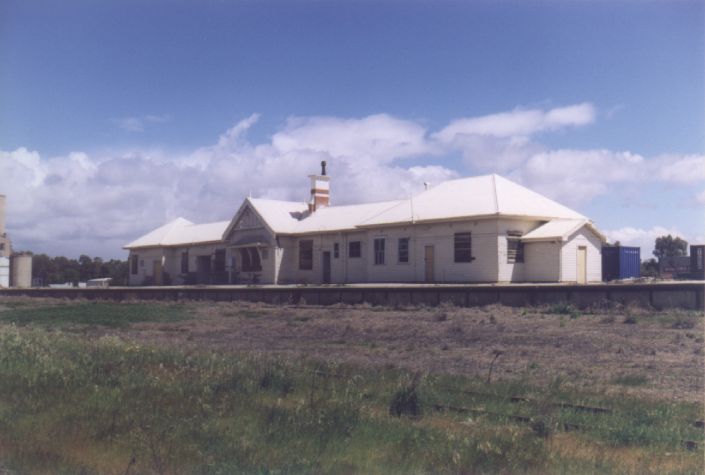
(649, 268)
(668, 246)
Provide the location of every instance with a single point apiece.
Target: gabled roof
(340, 218)
(180, 232)
(559, 229)
(488, 195)
(281, 217)
(465, 198)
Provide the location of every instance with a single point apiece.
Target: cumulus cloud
(95, 203)
(79, 203)
(519, 122)
(139, 124)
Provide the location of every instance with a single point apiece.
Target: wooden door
(203, 270)
(428, 263)
(157, 271)
(582, 265)
(326, 267)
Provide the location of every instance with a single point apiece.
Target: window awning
(251, 241)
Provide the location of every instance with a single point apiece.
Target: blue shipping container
(621, 262)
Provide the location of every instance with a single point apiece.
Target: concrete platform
(664, 294)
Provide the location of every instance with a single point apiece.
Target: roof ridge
(494, 193)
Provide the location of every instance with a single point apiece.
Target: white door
(582, 265)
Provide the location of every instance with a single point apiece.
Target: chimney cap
(323, 168)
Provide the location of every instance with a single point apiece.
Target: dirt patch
(595, 351)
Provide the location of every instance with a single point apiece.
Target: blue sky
(118, 116)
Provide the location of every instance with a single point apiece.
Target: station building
(469, 230)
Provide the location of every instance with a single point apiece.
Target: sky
(119, 116)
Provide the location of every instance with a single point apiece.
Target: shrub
(406, 402)
(563, 308)
(629, 320)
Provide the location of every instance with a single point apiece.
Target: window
(306, 255)
(219, 261)
(515, 248)
(403, 250)
(354, 249)
(336, 250)
(184, 262)
(463, 247)
(250, 259)
(135, 260)
(379, 251)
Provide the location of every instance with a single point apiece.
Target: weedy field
(150, 387)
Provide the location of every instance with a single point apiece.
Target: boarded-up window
(306, 255)
(354, 249)
(515, 248)
(463, 247)
(184, 262)
(134, 262)
(219, 261)
(403, 250)
(250, 259)
(379, 251)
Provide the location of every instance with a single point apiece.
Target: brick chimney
(320, 190)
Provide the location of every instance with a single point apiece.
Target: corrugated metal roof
(488, 195)
(181, 232)
(559, 229)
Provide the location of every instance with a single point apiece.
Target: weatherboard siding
(512, 272)
(569, 253)
(542, 261)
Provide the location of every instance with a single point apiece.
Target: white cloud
(139, 124)
(102, 202)
(680, 169)
(643, 238)
(519, 122)
(577, 176)
(70, 204)
(700, 197)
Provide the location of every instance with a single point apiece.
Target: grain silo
(21, 270)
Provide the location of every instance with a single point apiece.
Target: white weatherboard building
(478, 229)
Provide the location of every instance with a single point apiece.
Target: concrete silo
(21, 270)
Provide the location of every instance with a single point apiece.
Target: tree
(649, 268)
(59, 269)
(668, 246)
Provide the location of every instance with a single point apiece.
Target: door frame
(581, 278)
(429, 268)
(158, 272)
(326, 267)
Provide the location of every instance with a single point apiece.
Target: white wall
(4, 271)
(145, 265)
(517, 271)
(569, 253)
(542, 261)
(349, 270)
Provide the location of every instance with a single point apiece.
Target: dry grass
(594, 350)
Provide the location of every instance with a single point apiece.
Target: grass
(114, 315)
(109, 405)
(631, 380)
(563, 308)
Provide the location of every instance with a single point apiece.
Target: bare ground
(661, 353)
